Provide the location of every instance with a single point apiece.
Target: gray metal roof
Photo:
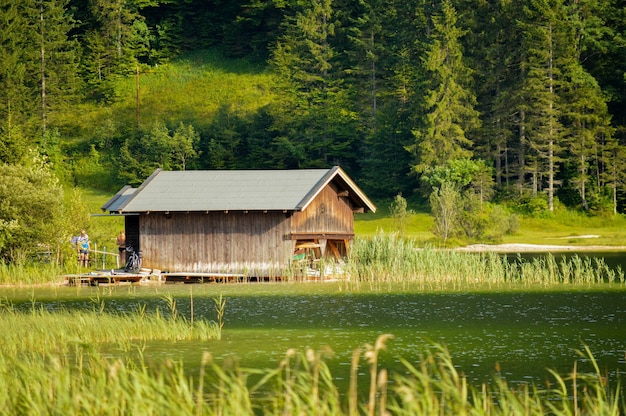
(231, 190)
(116, 203)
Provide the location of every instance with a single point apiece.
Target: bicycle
(133, 260)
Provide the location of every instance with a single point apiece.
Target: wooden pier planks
(94, 279)
(200, 277)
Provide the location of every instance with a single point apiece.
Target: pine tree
(60, 82)
(493, 46)
(314, 110)
(613, 157)
(383, 73)
(18, 71)
(543, 43)
(587, 125)
(114, 40)
(449, 101)
(584, 109)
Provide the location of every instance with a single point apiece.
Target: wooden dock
(95, 279)
(200, 277)
(155, 276)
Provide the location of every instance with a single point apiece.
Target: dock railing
(100, 257)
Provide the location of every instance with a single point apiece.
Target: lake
(522, 333)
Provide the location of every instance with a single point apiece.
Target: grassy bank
(563, 228)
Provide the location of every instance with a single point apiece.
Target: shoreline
(534, 248)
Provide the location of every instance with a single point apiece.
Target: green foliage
(13, 145)
(159, 148)
(445, 205)
(501, 222)
(464, 174)
(533, 205)
(31, 208)
(472, 218)
(449, 100)
(385, 89)
(400, 213)
(464, 213)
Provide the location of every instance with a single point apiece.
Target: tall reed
(389, 258)
(26, 274)
(42, 330)
(53, 383)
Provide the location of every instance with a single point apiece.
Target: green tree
(38, 69)
(30, 209)
(18, 72)
(465, 175)
(584, 111)
(494, 47)
(60, 84)
(587, 126)
(445, 207)
(384, 76)
(399, 211)
(158, 148)
(13, 144)
(115, 39)
(185, 140)
(313, 109)
(221, 142)
(449, 102)
(544, 51)
(614, 176)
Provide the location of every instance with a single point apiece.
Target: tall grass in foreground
(389, 258)
(301, 384)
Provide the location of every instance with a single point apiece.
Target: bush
(501, 222)
(31, 205)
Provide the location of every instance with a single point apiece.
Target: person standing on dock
(83, 248)
(121, 244)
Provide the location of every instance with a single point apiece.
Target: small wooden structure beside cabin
(244, 222)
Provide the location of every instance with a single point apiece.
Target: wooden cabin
(248, 222)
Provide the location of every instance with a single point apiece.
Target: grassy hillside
(191, 90)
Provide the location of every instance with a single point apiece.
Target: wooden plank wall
(327, 213)
(235, 242)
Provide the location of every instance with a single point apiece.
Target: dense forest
(528, 96)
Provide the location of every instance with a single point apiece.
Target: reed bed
(39, 330)
(389, 258)
(302, 384)
(26, 274)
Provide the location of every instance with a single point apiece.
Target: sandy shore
(540, 248)
(534, 248)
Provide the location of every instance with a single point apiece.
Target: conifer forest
(523, 99)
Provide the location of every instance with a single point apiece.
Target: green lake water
(525, 332)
